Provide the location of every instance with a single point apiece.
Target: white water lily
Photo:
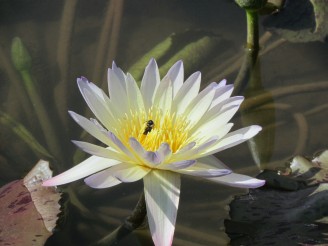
(157, 132)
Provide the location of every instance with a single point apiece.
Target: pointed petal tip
(222, 83)
(253, 130)
(254, 183)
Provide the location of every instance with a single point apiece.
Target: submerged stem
(131, 223)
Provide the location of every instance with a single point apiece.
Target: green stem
(246, 70)
(252, 30)
(46, 126)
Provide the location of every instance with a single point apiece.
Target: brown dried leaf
(21, 223)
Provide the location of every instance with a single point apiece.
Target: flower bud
(251, 4)
(20, 56)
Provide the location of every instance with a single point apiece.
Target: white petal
(234, 138)
(100, 151)
(221, 94)
(127, 172)
(187, 147)
(214, 121)
(117, 89)
(175, 74)
(134, 95)
(95, 103)
(164, 94)
(91, 128)
(212, 161)
(149, 83)
(178, 165)
(200, 104)
(162, 193)
(102, 180)
(188, 91)
(198, 151)
(238, 180)
(87, 167)
(204, 170)
(222, 83)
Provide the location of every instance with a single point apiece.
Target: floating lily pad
(28, 210)
(301, 21)
(290, 210)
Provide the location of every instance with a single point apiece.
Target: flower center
(153, 128)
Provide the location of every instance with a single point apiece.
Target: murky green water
(69, 39)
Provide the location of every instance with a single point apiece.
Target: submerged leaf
(28, 210)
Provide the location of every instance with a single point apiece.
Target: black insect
(149, 126)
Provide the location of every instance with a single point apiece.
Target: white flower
(157, 132)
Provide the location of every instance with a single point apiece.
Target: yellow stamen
(167, 128)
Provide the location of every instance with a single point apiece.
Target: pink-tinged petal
(87, 167)
(176, 74)
(164, 151)
(204, 170)
(127, 172)
(119, 144)
(178, 165)
(238, 180)
(100, 151)
(101, 180)
(187, 147)
(188, 91)
(162, 193)
(233, 138)
(91, 128)
(149, 157)
(149, 83)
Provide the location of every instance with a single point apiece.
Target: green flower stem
(251, 53)
(131, 223)
(252, 30)
(23, 64)
(41, 112)
(24, 134)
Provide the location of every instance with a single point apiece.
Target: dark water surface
(69, 39)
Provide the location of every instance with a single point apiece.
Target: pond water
(69, 39)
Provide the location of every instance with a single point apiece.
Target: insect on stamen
(149, 126)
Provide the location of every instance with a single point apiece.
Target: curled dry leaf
(28, 210)
(314, 172)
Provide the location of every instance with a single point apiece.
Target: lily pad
(301, 21)
(28, 210)
(290, 210)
